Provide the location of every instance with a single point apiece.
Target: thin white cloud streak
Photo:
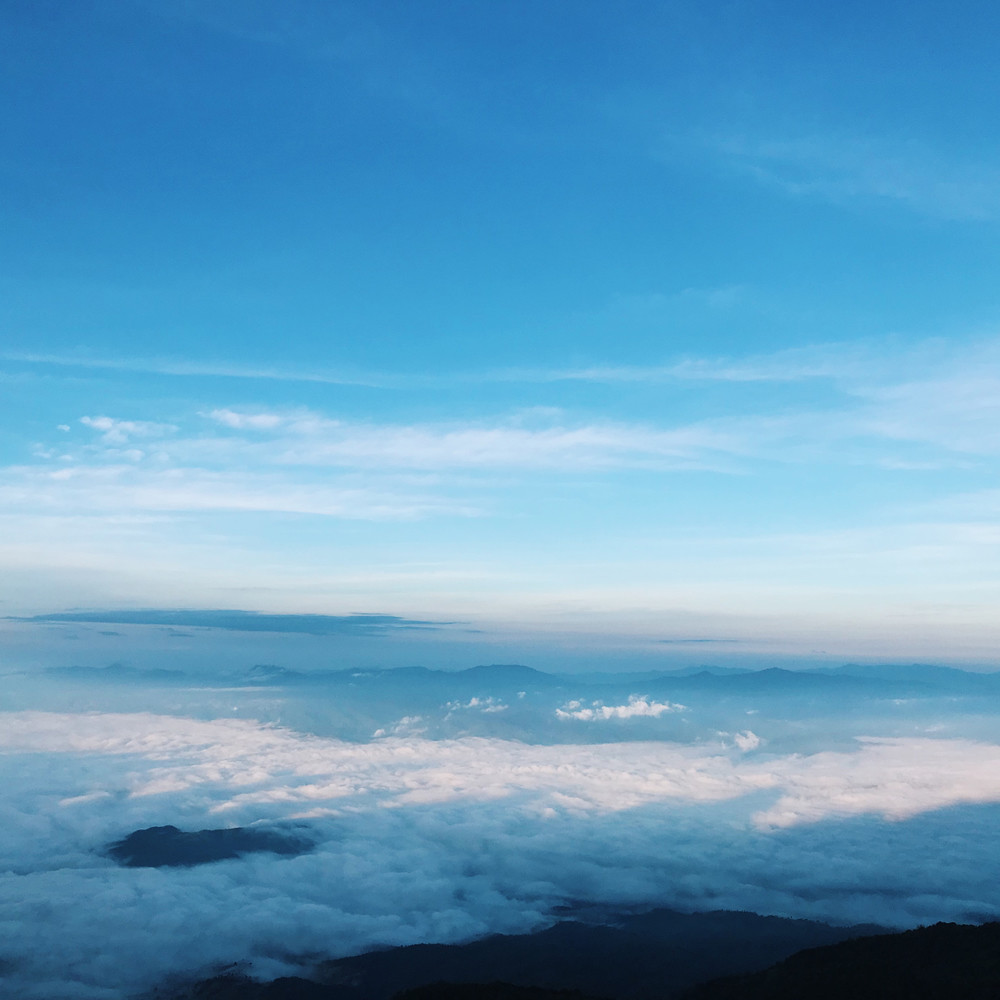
(834, 361)
(976, 504)
(872, 361)
(108, 489)
(194, 369)
(878, 359)
(120, 431)
(252, 470)
(251, 465)
(310, 439)
(933, 394)
(959, 414)
(844, 167)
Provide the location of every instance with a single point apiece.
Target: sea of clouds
(443, 839)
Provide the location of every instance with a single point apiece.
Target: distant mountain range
(520, 703)
(506, 678)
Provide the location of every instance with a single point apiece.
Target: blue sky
(566, 319)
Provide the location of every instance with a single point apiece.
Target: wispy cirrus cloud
(300, 461)
(247, 460)
(950, 416)
(120, 488)
(121, 431)
(229, 458)
(871, 360)
(959, 412)
(184, 368)
(307, 438)
(844, 167)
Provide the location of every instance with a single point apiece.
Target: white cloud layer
(424, 840)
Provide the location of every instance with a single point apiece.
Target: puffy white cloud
(116, 431)
(747, 740)
(242, 421)
(637, 706)
(487, 706)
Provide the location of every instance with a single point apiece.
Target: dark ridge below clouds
(240, 621)
(644, 956)
(686, 642)
(942, 962)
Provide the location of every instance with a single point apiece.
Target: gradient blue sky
(571, 318)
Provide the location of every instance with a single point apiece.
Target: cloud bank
(444, 840)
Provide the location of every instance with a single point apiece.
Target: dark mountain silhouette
(239, 987)
(487, 991)
(233, 986)
(643, 956)
(166, 846)
(942, 962)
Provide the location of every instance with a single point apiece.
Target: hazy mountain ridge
(755, 708)
(870, 678)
